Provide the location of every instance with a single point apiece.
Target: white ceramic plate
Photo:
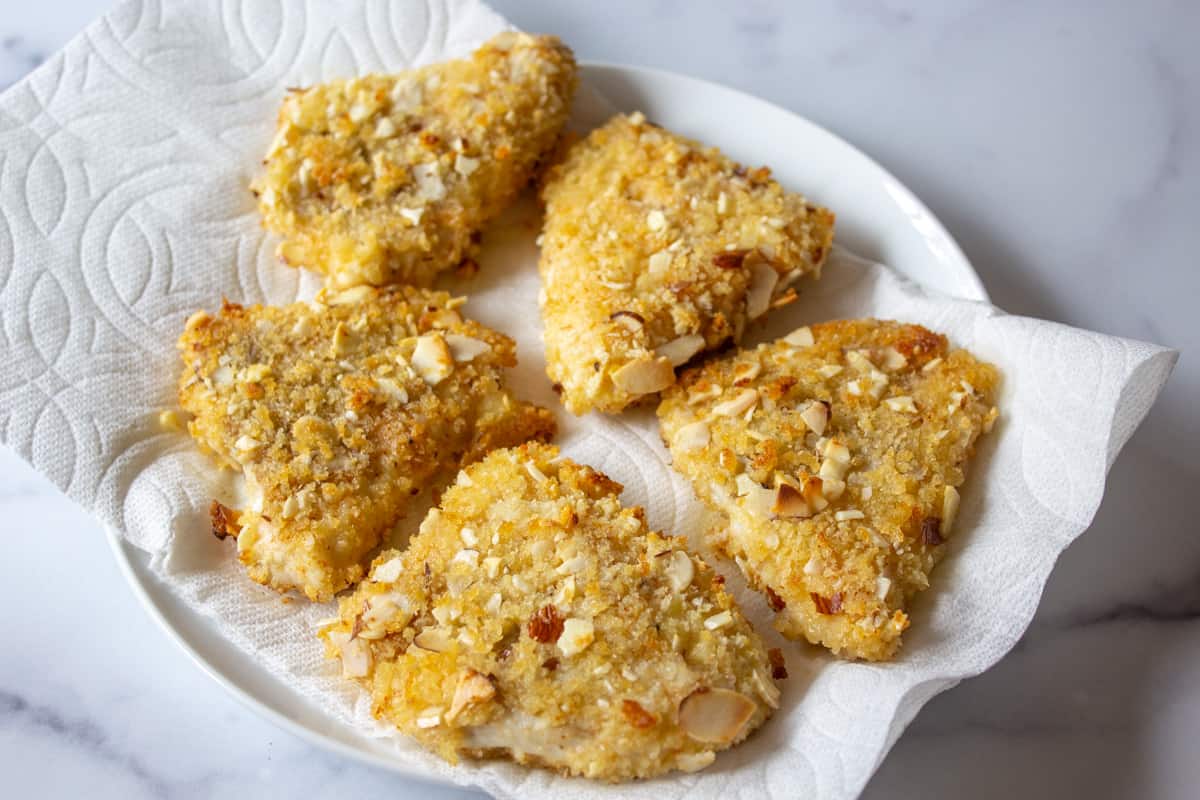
(877, 217)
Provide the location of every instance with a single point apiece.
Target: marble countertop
(1060, 144)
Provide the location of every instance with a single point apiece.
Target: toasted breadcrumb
(387, 178)
(534, 618)
(655, 249)
(835, 453)
(337, 411)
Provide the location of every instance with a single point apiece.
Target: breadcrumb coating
(388, 178)
(337, 411)
(657, 248)
(836, 454)
(535, 618)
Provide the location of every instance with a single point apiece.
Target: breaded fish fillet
(836, 454)
(656, 248)
(337, 412)
(388, 178)
(536, 619)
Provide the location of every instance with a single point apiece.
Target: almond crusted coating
(335, 420)
(839, 479)
(655, 249)
(387, 178)
(640, 637)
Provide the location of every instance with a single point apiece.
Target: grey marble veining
(1059, 142)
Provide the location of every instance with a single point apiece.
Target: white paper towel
(124, 164)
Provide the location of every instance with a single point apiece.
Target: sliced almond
(893, 359)
(745, 371)
(763, 279)
(577, 634)
(341, 340)
(739, 404)
(719, 620)
(789, 502)
(629, 320)
(766, 688)
(196, 320)
(432, 358)
(644, 376)
(858, 359)
(247, 444)
(466, 348)
(876, 383)
(392, 389)
(950, 501)
(290, 507)
(816, 416)
(679, 350)
(836, 452)
(832, 488)
(465, 165)
(472, 688)
(758, 500)
(388, 571)
(692, 436)
(351, 296)
(836, 460)
(813, 490)
(535, 472)
(680, 570)
(716, 716)
(832, 471)
(492, 565)
(442, 318)
(829, 370)
(356, 659)
(903, 403)
(431, 718)
(703, 391)
(435, 640)
(694, 762)
(380, 611)
(801, 337)
(659, 262)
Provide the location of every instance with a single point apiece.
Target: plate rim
(130, 563)
(133, 563)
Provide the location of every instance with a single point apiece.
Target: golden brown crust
(387, 178)
(656, 248)
(337, 412)
(534, 618)
(835, 453)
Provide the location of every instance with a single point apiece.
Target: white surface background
(1059, 142)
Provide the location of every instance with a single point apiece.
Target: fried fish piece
(655, 249)
(534, 618)
(388, 178)
(337, 412)
(835, 454)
